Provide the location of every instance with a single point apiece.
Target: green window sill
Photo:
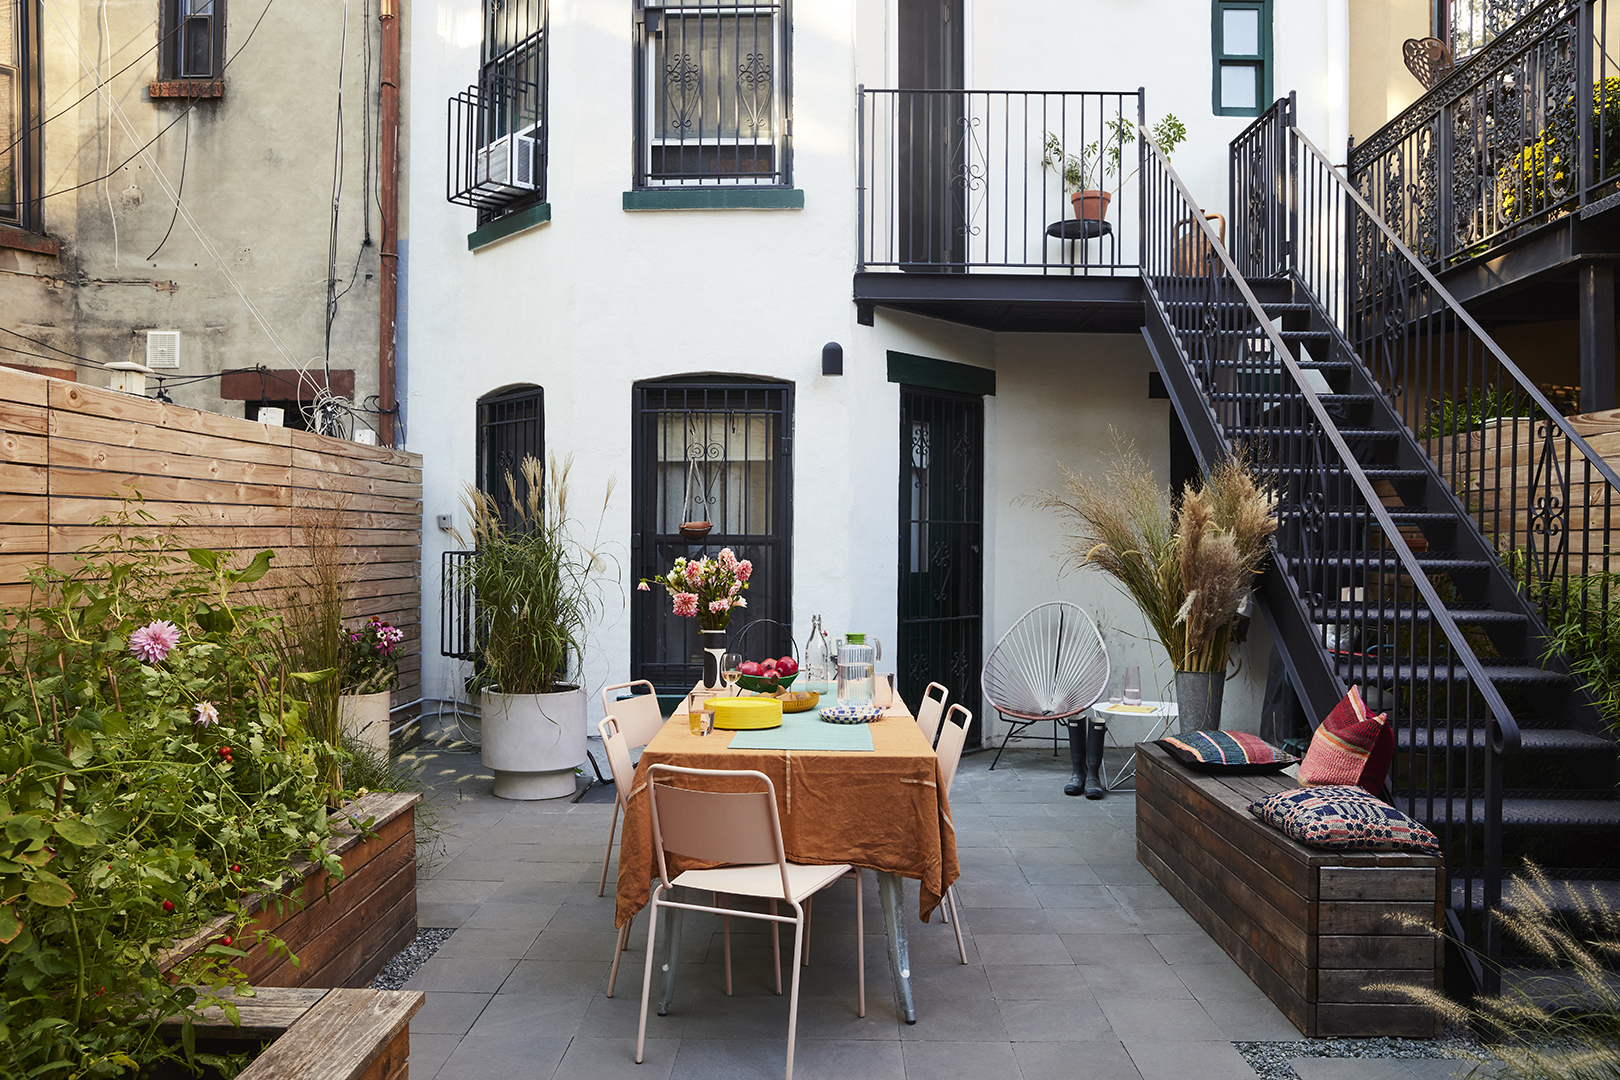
(501, 228)
(715, 198)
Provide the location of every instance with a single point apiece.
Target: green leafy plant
(1450, 416)
(154, 771)
(535, 585)
(1583, 632)
(1542, 173)
(1099, 161)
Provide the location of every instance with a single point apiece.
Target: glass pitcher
(857, 669)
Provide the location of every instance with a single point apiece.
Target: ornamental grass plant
(1189, 567)
(535, 584)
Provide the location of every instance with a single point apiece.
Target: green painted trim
(502, 227)
(727, 198)
(1218, 53)
(940, 374)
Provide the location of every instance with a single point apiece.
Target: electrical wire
(112, 216)
(337, 195)
(53, 348)
(184, 158)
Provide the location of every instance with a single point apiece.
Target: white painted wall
(600, 298)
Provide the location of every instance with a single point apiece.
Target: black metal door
(511, 427)
(931, 129)
(713, 450)
(941, 546)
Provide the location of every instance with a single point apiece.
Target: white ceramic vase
(365, 717)
(533, 742)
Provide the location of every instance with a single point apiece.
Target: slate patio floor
(1080, 965)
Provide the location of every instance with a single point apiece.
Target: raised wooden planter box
(342, 934)
(342, 1034)
(1312, 928)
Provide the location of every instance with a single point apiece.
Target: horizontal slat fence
(69, 454)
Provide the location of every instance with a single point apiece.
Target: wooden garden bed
(343, 933)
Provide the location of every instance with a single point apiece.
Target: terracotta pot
(1091, 205)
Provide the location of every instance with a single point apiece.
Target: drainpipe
(388, 134)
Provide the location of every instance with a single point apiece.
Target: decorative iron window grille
(19, 114)
(511, 427)
(193, 39)
(713, 450)
(713, 86)
(1473, 24)
(496, 135)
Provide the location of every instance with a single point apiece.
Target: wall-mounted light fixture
(832, 358)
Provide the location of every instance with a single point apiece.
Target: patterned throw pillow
(1350, 746)
(1343, 818)
(1229, 752)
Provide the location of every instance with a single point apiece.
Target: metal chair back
(1052, 664)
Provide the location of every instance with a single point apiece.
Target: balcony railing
(496, 135)
(960, 180)
(1527, 130)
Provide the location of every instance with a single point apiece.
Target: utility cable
(53, 348)
(337, 195)
(184, 158)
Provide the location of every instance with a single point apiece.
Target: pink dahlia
(154, 641)
(686, 604)
(728, 559)
(745, 570)
(694, 573)
(720, 605)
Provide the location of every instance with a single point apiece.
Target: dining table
(869, 795)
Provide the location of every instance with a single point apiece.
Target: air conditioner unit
(506, 165)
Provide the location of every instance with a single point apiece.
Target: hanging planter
(695, 530)
(692, 530)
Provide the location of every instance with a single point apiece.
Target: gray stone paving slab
(1163, 1059)
(1104, 1059)
(1070, 1019)
(503, 1057)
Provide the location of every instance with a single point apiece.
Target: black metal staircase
(1425, 548)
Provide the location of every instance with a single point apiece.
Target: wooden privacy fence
(69, 454)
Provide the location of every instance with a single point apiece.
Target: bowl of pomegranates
(767, 676)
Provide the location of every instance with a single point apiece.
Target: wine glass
(730, 664)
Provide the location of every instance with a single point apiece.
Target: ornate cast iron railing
(1525, 131)
(957, 180)
(1377, 607)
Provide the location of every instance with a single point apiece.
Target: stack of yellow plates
(746, 713)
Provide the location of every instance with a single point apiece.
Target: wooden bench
(1312, 928)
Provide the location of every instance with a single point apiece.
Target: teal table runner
(805, 731)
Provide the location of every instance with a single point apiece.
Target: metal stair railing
(1378, 616)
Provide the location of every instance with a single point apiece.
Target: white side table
(1125, 726)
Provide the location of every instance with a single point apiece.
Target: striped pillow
(1343, 818)
(1231, 752)
(1350, 746)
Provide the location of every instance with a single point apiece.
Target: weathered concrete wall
(243, 272)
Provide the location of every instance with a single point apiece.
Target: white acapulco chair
(638, 720)
(1052, 665)
(740, 829)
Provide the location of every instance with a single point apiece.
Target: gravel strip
(1270, 1059)
(398, 971)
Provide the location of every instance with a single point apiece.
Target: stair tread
(1399, 513)
(1428, 560)
(1462, 613)
(1567, 813)
(1534, 740)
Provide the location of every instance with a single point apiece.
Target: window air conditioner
(506, 165)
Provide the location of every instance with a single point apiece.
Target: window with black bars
(19, 114)
(717, 452)
(1469, 25)
(497, 134)
(511, 427)
(713, 92)
(193, 39)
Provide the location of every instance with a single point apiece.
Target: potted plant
(535, 595)
(1085, 175)
(710, 590)
(1190, 568)
(369, 673)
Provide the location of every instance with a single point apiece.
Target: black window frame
(511, 425)
(511, 97)
(1260, 62)
(25, 141)
(651, 151)
(173, 38)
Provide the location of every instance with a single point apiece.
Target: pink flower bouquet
(709, 588)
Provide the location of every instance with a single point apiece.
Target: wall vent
(163, 348)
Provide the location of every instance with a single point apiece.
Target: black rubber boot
(1077, 758)
(1094, 759)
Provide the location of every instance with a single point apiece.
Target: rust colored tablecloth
(883, 810)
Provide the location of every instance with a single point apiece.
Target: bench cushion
(1351, 746)
(1233, 752)
(1343, 818)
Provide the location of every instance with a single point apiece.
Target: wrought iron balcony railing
(959, 180)
(1525, 131)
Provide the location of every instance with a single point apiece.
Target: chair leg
(776, 952)
(725, 923)
(793, 998)
(956, 923)
(607, 856)
(860, 945)
(807, 912)
(628, 923)
(619, 948)
(1012, 729)
(646, 980)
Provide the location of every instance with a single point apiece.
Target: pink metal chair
(930, 710)
(638, 720)
(1052, 665)
(740, 829)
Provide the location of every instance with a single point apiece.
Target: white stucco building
(714, 202)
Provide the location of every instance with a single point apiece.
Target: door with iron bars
(712, 449)
(941, 611)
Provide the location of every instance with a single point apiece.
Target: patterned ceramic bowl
(851, 714)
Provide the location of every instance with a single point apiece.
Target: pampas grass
(1187, 569)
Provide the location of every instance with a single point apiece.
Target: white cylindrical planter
(533, 742)
(365, 717)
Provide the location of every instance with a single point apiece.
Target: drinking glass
(729, 665)
(1132, 686)
(698, 711)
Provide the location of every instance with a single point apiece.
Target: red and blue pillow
(1227, 752)
(1343, 818)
